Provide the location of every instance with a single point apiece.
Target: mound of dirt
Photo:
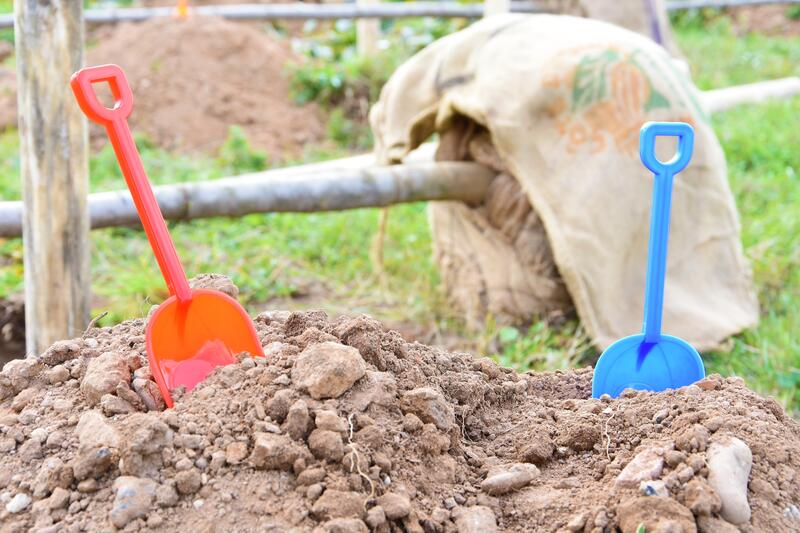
(345, 427)
(193, 79)
(770, 20)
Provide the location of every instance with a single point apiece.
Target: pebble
(18, 503)
(57, 374)
(103, 373)
(166, 496)
(273, 452)
(94, 431)
(188, 481)
(326, 445)
(338, 504)
(132, 500)
(507, 478)
(577, 522)
(645, 466)
(395, 506)
(298, 420)
(476, 519)
(329, 420)
(39, 434)
(93, 462)
(700, 498)
(235, 453)
(660, 416)
(328, 369)
(430, 406)
(376, 517)
(729, 464)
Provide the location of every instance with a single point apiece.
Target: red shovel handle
(115, 120)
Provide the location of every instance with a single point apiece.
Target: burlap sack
(562, 100)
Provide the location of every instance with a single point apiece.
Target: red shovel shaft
(115, 121)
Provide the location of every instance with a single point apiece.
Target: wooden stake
(368, 31)
(54, 171)
(496, 7)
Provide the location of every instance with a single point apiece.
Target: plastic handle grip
(647, 146)
(82, 82)
(660, 212)
(115, 120)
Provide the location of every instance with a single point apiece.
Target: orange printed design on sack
(604, 100)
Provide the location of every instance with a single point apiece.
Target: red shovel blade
(187, 340)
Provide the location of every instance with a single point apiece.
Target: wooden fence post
(368, 31)
(54, 170)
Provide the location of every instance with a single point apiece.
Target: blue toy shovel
(652, 361)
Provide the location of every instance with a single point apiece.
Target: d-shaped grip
(81, 83)
(647, 146)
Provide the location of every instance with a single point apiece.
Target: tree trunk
(54, 170)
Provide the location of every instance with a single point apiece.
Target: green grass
(325, 259)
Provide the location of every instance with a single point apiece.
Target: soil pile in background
(769, 20)
(193, 79)
(346, 427)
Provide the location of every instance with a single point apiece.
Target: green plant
(793, 12)
(236, 156)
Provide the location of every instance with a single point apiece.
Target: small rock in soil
(395, 506)
(103, 374)
(94, 462)
(729, 462)
(273, 452)
(132, 500)
(298, 420)
(700, 498)
(345, 525)
(188, 481)
(538, 449)
(236, 452)
(430, 406)
(18, 503)
(330, 421)
(328, 369)
(580, 437)
(645, 466)
(475, 519)
(326, 445)
(94, 431)
(507, 478)
(376, 517)
(339, 504)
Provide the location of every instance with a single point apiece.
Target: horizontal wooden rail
(299, 10)
(311, 188)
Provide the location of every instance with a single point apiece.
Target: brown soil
(193, 79)
(388, 433)
(770, 20)
(12, 328)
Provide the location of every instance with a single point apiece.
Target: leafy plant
(236, 156)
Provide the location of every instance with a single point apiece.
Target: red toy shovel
(194, 330)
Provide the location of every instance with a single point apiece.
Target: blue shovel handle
(659, 218)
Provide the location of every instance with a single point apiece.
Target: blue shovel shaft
(660, 214)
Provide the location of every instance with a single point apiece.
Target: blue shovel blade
(632, 363)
